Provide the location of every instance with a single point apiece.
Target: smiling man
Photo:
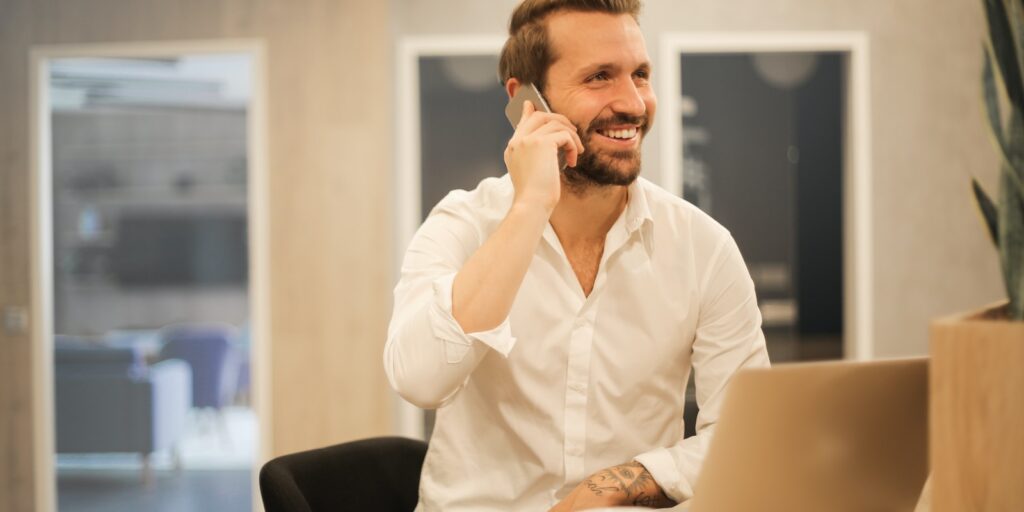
(553, 316)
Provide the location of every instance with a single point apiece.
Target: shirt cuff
(662, 467)
(458, 342)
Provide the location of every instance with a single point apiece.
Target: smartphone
(514, 110)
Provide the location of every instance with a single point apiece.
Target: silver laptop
(836, 436)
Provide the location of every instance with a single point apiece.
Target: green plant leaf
(1011, 244)
(991, 97)
(995, 123)
(1003, 45)
(1015, 11)
(1012, 150)
(988, 211)
(1004, 218)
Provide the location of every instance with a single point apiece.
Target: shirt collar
(638, 215)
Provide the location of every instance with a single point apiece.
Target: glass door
(150, 180)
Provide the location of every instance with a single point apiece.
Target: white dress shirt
(570, 384)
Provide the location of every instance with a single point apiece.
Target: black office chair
(380, 474)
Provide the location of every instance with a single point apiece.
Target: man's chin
(623, 168)
(603, 174)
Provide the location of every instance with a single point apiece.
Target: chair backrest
(71, 359)
(210, 353)
(380, 474)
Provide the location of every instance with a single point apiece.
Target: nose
(628, 99)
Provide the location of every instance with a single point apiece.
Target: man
(553, 316)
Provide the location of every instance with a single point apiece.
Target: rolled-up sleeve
(427, 356)
(728, 338)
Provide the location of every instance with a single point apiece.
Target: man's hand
(532, 156)
(623, 485)
(486, 286)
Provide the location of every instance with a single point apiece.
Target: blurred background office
(203, 206)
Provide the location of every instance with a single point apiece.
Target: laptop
(836, 436)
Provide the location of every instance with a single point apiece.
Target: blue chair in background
(211, 352)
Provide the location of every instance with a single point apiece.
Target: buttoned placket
(581, 338)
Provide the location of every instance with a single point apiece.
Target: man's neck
(586, 215)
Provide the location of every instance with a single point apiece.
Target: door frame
(857, 172)
(41, 232)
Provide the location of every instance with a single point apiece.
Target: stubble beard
(597, 169)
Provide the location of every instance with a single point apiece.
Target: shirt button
(575, 386)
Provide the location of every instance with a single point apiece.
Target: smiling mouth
(623, 134)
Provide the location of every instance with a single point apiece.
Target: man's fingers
(528, 109)
(532, 119)
(535, 123)
(571, 128)
(562, 138)
(561, 119)
(577, 141)
(568, 144)
(554, 125)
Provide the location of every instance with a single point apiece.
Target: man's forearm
(486, 286)
(632, 483)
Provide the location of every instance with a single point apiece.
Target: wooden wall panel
(16, 465)
(329, 135)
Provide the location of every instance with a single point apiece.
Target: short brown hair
(527, 53)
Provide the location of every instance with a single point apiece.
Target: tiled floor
(217, 456)
(120, 490)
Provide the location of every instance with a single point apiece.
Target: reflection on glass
(151, 359)
(763, 154)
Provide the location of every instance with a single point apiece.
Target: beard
(597, 168)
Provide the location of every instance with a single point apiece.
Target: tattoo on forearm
(633, 481)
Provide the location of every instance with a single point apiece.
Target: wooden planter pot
(977, 413)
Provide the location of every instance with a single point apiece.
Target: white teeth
(621, 134)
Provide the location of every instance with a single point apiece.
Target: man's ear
(511, 86)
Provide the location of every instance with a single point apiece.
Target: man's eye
(643, 75)
(601, 75)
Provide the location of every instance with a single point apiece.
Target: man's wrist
(647, 492)
(630, 484)
(536, 203)
(530, 211)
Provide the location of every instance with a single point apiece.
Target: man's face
(600, 80)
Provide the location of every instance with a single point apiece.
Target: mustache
(600, 124)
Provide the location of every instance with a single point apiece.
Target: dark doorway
(763, 154)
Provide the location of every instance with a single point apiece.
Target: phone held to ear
(514, 110)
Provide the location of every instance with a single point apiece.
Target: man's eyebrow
(611, 66)
(601, 66)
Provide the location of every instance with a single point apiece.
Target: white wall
(930, 256)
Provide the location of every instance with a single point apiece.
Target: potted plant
(977, 369)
